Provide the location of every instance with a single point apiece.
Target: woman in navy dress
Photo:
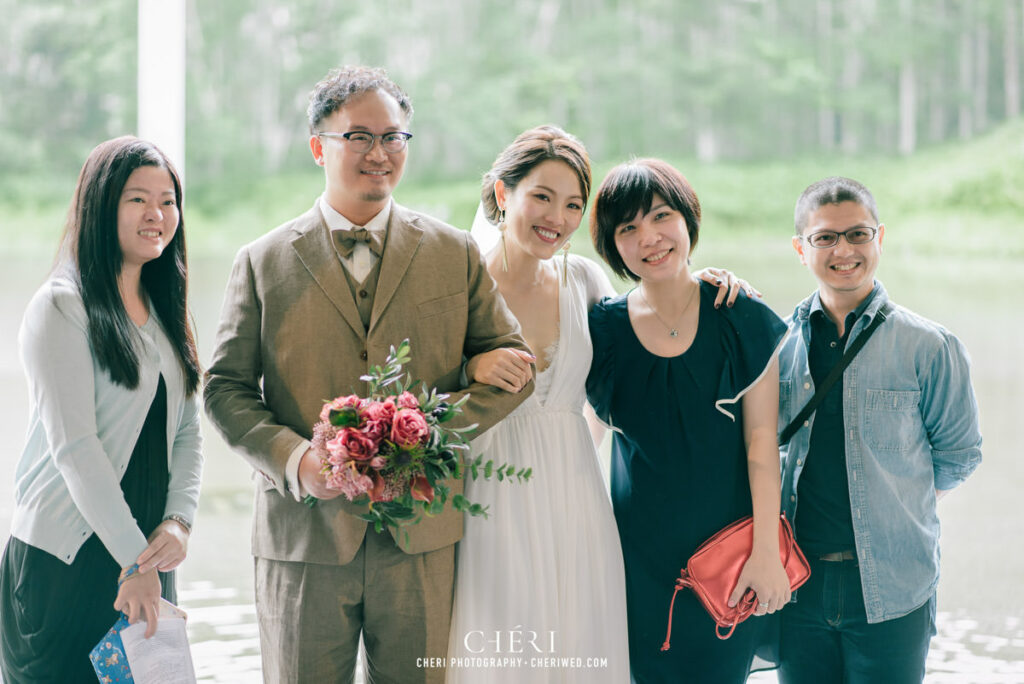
(691, 391)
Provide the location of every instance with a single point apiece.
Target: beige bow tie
(346, 241)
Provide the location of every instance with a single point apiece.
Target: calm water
(980, 629)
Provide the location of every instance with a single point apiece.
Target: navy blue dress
(679, 472)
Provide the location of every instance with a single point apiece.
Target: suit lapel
(404, 237)
(318, 256)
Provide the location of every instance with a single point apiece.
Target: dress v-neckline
(550, 370)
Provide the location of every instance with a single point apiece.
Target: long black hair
(91, 254)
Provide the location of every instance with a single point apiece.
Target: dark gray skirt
(52, 614)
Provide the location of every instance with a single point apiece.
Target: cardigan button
(363, 355)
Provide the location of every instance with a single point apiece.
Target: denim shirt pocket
(892, 419)
(785, 394)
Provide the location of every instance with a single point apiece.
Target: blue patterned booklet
(125, 655)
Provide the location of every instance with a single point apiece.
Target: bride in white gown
(540, 590)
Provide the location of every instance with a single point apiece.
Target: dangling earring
(504, 250)
(565, 264)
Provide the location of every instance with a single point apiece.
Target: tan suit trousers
(310, 615)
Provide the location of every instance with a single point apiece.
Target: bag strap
(682, 582)
(834, 375)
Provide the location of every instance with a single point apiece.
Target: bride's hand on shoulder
(506, 368)
(729, 285)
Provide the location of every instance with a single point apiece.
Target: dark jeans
(826, 636)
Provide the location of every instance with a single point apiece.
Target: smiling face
(845, 272)
(359, 184)
(654, 245)
(543, 210)
(147, 215)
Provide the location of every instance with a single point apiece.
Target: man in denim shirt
(895, 432)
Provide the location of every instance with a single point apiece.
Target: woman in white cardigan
(108, 483)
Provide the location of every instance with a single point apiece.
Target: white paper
(164, 658)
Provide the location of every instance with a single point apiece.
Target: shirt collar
(336, 221)
(871, 304)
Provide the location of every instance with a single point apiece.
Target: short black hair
(831, 190)
(341, 85)
(627, 190)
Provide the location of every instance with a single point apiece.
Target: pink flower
(380, 410)
(322, 433)
(376, 429)
(336, 450)
(407, 400)
(348, 406)
(350, 482)
(386, 487)
(409, 428)
(359, 446)
(421, 490)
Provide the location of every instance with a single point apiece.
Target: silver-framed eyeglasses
(362, 141)
(858, 235)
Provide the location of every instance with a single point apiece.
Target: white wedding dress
(540, 590)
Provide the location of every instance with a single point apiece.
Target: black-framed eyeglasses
(859, 235)
(362, 141)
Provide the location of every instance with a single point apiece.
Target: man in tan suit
(309, 308)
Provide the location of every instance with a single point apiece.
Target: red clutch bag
(714, 568)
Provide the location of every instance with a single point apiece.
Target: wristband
(132, 569)
(180, 520)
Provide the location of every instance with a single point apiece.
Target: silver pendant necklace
(673, 330)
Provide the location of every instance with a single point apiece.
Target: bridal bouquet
(392, 450)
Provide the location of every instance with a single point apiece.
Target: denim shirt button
(807, 385)
(807, 423)
(799, 461)
(792, 497)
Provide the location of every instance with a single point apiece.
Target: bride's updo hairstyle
(528, 150)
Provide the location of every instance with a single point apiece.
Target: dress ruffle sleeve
(751, 334)
(601, 379)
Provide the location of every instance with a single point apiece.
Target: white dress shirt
(359, 265)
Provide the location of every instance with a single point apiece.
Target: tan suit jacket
(290, 338)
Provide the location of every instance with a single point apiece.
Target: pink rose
(359, 446)
(379, 410)
(376, 429)
(407, 400)
(409, 428)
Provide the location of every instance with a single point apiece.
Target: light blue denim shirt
(83, 428)
(911, 424)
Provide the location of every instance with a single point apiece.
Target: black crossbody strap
(834, 374)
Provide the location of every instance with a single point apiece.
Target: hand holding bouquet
(392, 450)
